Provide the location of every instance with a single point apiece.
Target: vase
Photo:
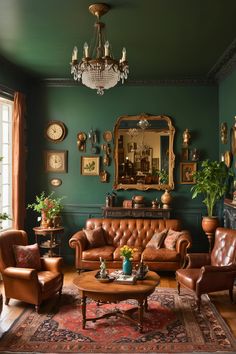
(127, 266)
(45, 222)
(166, 199)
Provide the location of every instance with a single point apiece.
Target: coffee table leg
(146, 305)
(83, 311)
(140, 315)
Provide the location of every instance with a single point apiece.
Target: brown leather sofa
(27, 284)
(208, 273)
(135, 233)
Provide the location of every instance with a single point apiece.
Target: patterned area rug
(173, 325)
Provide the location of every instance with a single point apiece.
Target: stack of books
(121, 278)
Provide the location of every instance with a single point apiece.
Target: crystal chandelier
(98, 69)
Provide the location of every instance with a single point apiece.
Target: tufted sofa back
(132, 232)
(224, 251)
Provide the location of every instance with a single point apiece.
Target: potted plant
(211, 182)
(49, 208)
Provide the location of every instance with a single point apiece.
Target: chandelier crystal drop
(102, 71)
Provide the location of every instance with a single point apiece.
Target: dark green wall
(12, 77)
(80, 108)
(227, 109)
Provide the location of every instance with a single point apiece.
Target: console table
(229, 214)
(149, 213)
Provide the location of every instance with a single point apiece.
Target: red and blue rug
(173, 325)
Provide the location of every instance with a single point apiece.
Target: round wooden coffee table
(111, 292)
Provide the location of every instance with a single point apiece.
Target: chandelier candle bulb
(86, 48)
(74, 54)
(123, 55)
(106, 46)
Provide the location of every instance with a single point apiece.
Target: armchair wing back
(224, 251)
(7, 240)
(27, 284)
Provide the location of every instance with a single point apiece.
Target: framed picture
(55, 161)
(90, 165)
(186, 172)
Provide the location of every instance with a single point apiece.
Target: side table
(52, 242)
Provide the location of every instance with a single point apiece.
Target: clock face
(55, 131)
(55, 161)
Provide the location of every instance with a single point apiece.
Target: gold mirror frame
(168, 130)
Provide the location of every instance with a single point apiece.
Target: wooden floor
(221, 301)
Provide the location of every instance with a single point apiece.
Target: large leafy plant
(211, 182)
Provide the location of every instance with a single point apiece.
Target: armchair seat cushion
(48, 280)
(160, 255)
(188, 277)
(94, 254)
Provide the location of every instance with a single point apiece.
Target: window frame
(6, 119)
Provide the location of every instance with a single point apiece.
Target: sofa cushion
(27, 256)
(160, 255)
(95, 237)
(94, 254)
(171, 239)
(157, 239)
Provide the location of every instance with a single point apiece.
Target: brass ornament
(223, 132)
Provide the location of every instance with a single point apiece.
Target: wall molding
(225, 64)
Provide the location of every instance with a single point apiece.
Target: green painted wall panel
(80, 109)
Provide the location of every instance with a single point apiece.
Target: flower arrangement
(48, 205)
(127, 252)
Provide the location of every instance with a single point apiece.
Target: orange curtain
(18, 161)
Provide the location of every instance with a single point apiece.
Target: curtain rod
(6, 91)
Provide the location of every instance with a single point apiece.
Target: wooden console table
(149, 213)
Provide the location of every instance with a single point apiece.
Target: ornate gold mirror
(144, 157)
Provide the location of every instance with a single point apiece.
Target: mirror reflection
(144, 157)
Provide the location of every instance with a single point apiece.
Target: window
(6, 108)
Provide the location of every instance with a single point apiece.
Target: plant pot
(209, 226)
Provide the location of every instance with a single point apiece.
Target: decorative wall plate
(56, 182)
(228, 158)
(107, 136)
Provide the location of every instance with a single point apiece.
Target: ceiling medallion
(98, 69)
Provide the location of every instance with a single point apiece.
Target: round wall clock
(55, 131)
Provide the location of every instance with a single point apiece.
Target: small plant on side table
(48, 207)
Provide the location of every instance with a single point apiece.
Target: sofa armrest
(79, 239)
(20, 273)
(52, 264)
(79, 242)
(197, 260)
(183, 243)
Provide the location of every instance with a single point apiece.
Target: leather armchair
(206, 273)
(26, 284)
